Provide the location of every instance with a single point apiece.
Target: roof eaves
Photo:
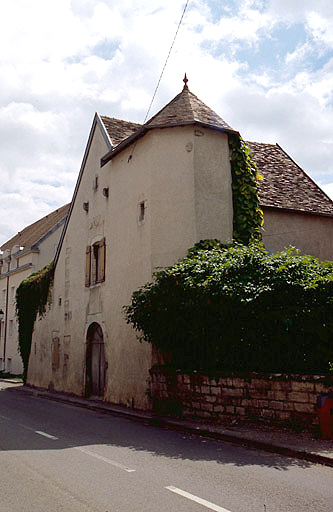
(294, 210)
(123, 145)
(145, 128)
(48, 233)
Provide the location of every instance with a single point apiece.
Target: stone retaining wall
(271, 398)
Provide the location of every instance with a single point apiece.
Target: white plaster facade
(186, 197)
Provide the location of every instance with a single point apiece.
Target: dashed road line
(104, 459)
(201, 501)
(46, 435)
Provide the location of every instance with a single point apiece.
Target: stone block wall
(271, 399)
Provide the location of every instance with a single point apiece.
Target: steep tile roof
(31, 234)
(185, 109)
(118, 129)
(285, 184)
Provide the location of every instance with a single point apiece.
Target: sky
(265, 66)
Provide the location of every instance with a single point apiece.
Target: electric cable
(160, 78)
(166, 61)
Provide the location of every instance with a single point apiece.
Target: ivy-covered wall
(32, 297)
(248, 216)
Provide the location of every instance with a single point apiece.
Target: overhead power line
(166, 61)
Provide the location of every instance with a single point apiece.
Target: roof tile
(118, 129)
(285, 184)
(184, 109)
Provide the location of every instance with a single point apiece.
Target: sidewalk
(283, 441)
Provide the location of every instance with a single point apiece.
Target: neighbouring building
(25, 253)
(144, 195)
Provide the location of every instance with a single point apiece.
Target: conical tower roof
(184, 109)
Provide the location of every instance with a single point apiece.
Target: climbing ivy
(248, 216)
(239, 309)
(32, 297)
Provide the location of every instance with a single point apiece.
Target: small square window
(95, 183)
(142, 212)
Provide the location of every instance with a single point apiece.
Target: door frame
(88, 354)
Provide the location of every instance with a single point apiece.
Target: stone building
(144, 195)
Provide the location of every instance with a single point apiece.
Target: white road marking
(189, 496)
(4, 417)
(104, 459)
(46, 435)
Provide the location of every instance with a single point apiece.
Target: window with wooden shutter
(95, 263)
(101, 261)
(88, 265)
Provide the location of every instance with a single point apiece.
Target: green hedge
(239, 308)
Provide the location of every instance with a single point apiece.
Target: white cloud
(321, 26)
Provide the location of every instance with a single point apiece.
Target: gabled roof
(184, 109)
(286, 185)
(30, 235)
(118, 129)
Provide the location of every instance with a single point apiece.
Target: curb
(164, 421)
(252, 443)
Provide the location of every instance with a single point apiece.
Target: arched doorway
(95, 361)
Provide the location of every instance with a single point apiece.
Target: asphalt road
(55, 457)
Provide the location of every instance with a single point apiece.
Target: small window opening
(95, 184)
(142, 208)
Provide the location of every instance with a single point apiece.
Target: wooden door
(95, 363)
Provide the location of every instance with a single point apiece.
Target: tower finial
(185, 80)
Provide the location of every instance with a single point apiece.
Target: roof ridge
(103, 116)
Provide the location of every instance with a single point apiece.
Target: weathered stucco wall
(278, 399)
(213, 193)
(184, 200)
(309, 233)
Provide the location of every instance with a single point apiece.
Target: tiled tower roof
(185, 109)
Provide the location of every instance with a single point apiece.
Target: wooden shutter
(88, 265)
(101, 261)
